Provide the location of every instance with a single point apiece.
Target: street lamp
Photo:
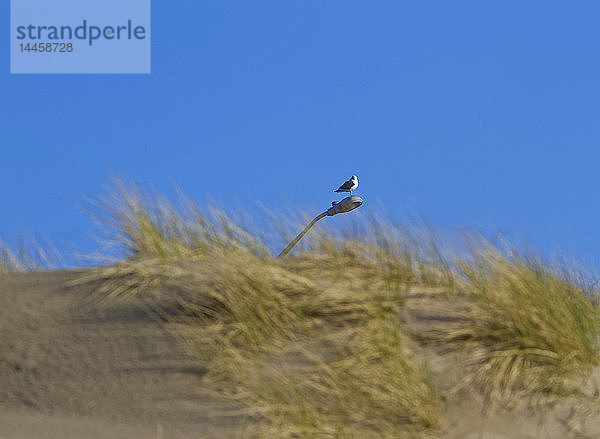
(346, 205)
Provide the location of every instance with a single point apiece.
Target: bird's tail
(340, 190)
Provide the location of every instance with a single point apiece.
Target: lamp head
(346, 205)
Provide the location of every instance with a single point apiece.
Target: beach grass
(314, 345)
(534, 326)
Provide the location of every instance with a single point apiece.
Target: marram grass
(304, 367)
(535, 327)
(313, 345)
(7, 259)
(28, 257)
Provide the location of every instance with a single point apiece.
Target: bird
(349, 186)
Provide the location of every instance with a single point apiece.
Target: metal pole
(346, 205)
(299, 237)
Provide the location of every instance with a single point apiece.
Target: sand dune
(73, 368)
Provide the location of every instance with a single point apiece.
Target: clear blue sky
(469, 113)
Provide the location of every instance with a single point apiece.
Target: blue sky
(467, 113)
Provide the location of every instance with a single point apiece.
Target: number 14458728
(46, 47)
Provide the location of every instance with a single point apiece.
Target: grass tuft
(8, 262)
(145, 224)
(535, 326)
(308, 359)
(28, 257)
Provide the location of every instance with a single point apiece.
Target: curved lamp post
(346, 205)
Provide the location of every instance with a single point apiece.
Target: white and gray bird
(349, 186)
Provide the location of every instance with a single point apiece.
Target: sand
(74, 368)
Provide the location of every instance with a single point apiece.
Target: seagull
(349, 186)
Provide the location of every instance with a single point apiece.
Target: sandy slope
(425, 312)
(70, 368)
